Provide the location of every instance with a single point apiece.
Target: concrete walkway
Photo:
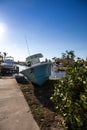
(14, 111)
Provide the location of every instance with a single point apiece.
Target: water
(21, 67)
(57, 74)
(54, 74)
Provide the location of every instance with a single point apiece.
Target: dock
(15, 113)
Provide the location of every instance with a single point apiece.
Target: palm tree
(1, 57)
(63, 55)
(70, 54)
(5, 54)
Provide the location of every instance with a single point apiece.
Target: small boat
(54, 67)
(8, 66)
(37, 72)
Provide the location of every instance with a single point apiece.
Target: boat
(8, 66)
(55, 67)
(37, 72)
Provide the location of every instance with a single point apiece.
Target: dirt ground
(38, 99)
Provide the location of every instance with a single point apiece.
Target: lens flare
(3, 28)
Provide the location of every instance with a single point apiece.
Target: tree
(5, 54)
(54, 59)
(63, 55)
(70, 96)
(70, 54)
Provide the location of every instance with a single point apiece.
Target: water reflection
(57, 74)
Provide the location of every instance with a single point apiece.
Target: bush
(70, 97)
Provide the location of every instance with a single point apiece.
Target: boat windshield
(9, 60)
(34, 58)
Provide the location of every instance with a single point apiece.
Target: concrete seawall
(15, 114)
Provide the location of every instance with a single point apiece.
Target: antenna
(27, 46)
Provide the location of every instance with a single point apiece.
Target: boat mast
(27, 46)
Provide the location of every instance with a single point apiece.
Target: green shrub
(70, 97)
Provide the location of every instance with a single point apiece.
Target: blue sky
(50, 27)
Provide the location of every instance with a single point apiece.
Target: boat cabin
(34, 59)
(9, 60)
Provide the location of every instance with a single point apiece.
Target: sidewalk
(14, 111)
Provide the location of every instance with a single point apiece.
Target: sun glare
(2, 29)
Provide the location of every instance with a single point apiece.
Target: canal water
(54, 74)
(57, 74)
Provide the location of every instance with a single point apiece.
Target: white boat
(8, 66)
(37, 72)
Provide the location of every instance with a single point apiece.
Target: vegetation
(70, 97)
(68, 55)
(2, 56)
(38, 99)
(67, 58)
